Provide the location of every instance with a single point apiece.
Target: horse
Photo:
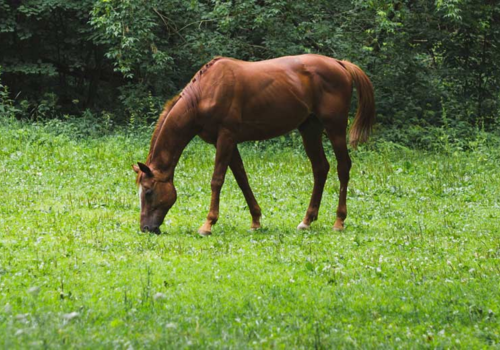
(229, 101)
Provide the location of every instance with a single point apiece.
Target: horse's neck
(177, 131)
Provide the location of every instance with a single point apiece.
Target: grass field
(417, 266)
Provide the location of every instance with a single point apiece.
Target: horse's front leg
(240, 175)
(225, 148)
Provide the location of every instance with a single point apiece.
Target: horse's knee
(216, 184)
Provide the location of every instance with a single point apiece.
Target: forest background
(418, 266)
(434, 63)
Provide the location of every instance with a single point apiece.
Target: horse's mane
(161, 120)
(190, 93)
(159, 124)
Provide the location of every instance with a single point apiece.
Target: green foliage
(128, 29)
(7, 108)
(47, 50)
(116, 57)
(417, 266)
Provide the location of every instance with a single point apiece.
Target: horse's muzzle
(152, 229)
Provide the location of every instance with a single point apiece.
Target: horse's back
(261, 100)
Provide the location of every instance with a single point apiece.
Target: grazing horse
(230, 101)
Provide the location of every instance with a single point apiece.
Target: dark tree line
(431, 61)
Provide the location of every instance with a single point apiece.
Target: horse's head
(157, 196)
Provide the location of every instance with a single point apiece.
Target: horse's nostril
(153, 229)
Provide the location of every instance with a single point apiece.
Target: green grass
(417, 266)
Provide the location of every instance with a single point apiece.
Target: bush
(7, 108)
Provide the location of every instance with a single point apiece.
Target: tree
(127, 57)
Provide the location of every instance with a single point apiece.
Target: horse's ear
(145, 169)
(136, 168)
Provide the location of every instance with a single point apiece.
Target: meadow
(418, 265)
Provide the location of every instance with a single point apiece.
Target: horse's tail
(365, 115)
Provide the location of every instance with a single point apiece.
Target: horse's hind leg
(336, 131)
(240, 175)
(311, 132)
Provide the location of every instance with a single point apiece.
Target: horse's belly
(271, 115)
(271, 123)
(262, 132)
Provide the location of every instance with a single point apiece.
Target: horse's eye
(148, 192)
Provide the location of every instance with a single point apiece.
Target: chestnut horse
(230, 101)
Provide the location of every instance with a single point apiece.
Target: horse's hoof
(338, 228)
(204, 233)
(255, 227)
(303, 226)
